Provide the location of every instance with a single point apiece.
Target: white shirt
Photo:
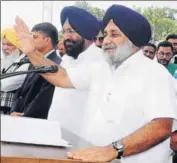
(15, 82)
(124, 100)
(68, 104)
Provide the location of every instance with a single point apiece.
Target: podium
(29, 153)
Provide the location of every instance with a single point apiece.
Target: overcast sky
(31, 11)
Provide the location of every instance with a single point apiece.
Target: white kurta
(124, 100)
(68, 104)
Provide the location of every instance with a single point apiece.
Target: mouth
(109, 50)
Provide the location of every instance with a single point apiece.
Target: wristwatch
(119, 147)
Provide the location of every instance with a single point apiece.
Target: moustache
(108, 47)
(69, 42)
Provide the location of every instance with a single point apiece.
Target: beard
(163, 62)
(74, 48)
(115, 55)
(9, 59)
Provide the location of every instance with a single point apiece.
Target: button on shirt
(122, 101)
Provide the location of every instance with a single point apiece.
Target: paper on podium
(31, 131)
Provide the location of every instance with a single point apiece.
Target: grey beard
(9, 59)
(121, 54)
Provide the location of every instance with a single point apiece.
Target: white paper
(31, 131)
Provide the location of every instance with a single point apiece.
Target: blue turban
(135, 26)
(85, 24)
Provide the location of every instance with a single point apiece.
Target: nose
(107, 41)
(4, 47)
(67, 35)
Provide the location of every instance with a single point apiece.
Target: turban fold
(135, 26)
(11, 36)
(85, 24)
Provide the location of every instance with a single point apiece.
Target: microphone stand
(43, 69)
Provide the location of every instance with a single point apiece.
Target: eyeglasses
(98, 38)
(70, 31)
(165, 54)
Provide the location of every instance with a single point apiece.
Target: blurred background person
(98, 40)
(61, 48)
(10, 48)
(164, 55)
(173, 39)
(11, 63)
(149, 50)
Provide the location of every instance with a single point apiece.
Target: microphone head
(25, 60)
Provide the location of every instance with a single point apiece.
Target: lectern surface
(39, 151)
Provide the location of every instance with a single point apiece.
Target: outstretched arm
(27, 46)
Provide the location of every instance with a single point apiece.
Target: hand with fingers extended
(95, 154)
(24, 36)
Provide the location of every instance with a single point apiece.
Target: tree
(97, 12)
(162, 20)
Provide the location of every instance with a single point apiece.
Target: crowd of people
(113, 87)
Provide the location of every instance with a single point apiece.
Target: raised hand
(25, 39)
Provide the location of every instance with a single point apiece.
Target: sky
(32, 11)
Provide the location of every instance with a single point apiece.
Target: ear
(48, 41)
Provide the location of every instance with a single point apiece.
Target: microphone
(46, 69)
(22, 61)
(39, 69)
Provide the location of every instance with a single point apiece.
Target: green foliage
(60, 36)
(162, 20)
(97, 12)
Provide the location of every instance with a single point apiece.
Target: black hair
(165, 44)
(49, 30)
(152, 45)
(171, 36)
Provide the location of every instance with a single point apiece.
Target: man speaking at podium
(132, 102)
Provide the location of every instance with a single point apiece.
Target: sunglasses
(98, 38)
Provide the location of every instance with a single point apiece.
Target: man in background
(164, 55)
(10, 48)
(34, 98)
(149, 50)
(173, 39)
(61, 48)
(11, 63)
(98, 40)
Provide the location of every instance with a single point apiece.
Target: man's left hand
(95, 154)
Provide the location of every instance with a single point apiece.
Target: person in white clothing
(130, 115)
(11, 63)
(68, 104)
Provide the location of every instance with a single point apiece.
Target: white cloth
(68, 104)
(14, 82)
(124, 100)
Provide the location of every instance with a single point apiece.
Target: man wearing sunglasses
(98, 40)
